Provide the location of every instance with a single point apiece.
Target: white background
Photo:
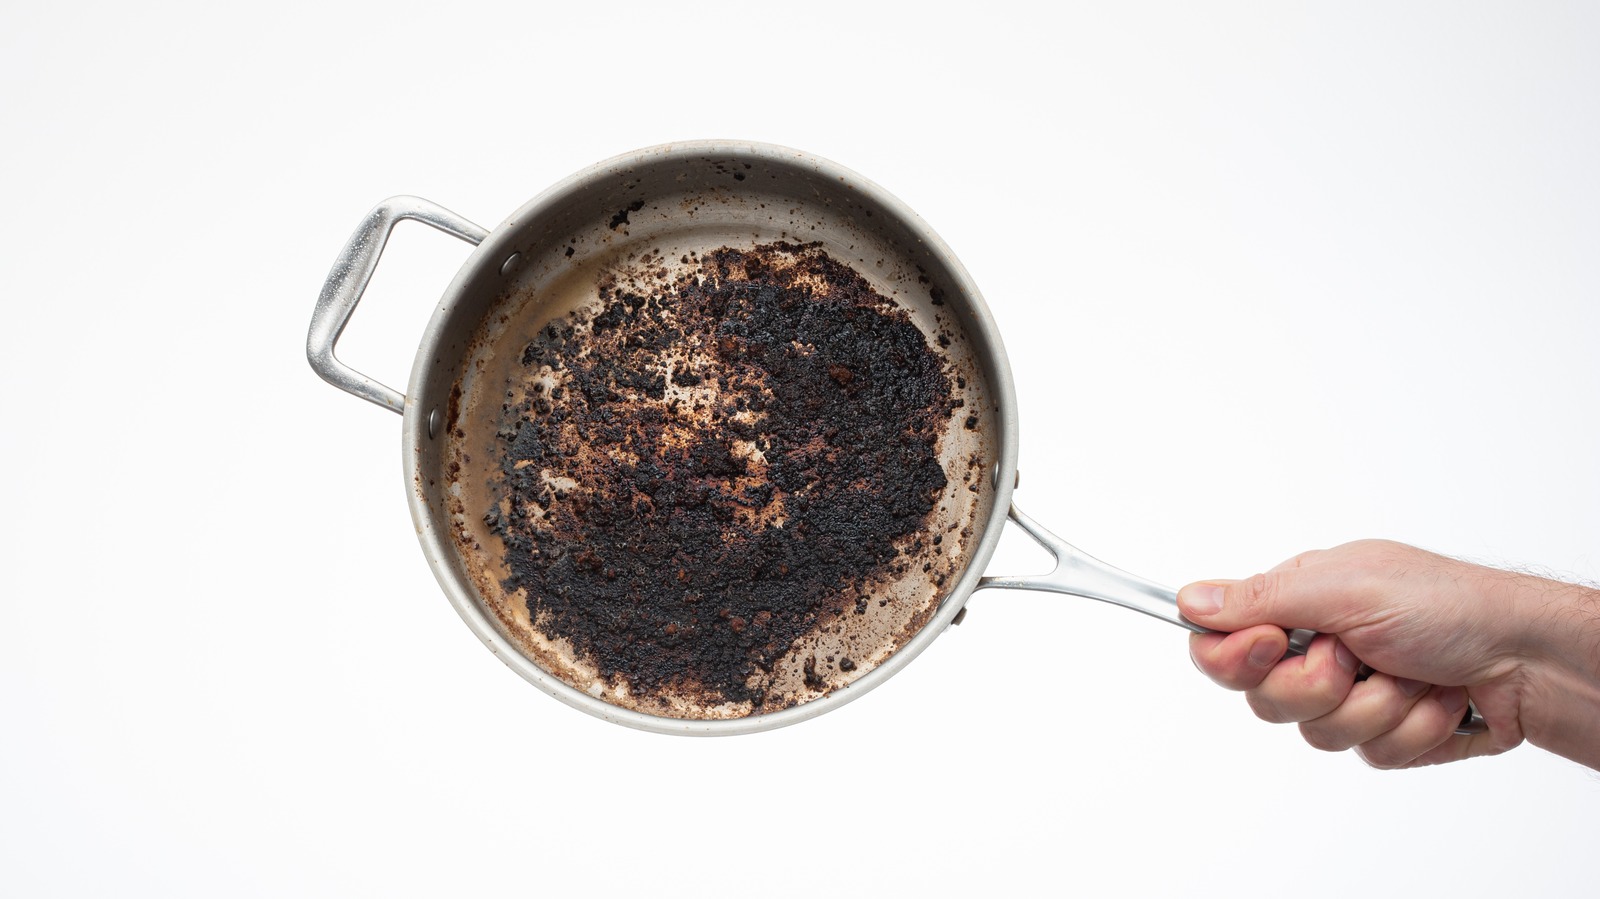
(1271, 279)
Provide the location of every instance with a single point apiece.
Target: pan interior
(659, 231)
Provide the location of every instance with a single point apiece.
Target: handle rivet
(1016, 477)
(510, 265)
(433, 422)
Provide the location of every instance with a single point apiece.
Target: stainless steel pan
(698, 195)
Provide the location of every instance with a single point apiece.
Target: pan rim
(433, 534)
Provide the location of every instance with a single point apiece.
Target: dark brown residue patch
(735, 452)
(452, 412)
(621, 218)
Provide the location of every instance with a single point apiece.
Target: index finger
(1240, 660)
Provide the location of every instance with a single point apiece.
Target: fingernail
(1204, 599)
(1264, 653)
(1410, 687)
(1346, 659)
(1454, 699)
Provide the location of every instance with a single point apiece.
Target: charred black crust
(682, 561)
(621, 217)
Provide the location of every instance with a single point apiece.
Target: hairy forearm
(1561, 690)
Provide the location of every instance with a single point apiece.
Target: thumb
(1289, 598)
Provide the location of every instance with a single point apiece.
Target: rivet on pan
(960, 616)
(510, 265)
(1016, 477)
(433, 422)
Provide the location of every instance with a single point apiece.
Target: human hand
(1439, 631)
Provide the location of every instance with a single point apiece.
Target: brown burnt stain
(452, 415)
(863, 623)
(712, 465)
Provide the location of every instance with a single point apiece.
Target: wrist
(1561, 713)
(1558, 654)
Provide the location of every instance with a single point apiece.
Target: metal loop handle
(1079, 574)
(348, 280)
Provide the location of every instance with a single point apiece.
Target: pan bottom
(634, 516)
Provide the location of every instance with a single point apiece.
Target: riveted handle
(348, 280)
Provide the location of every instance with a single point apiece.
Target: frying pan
(692, 197)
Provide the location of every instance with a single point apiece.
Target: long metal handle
(348, 279)
(1079, 574)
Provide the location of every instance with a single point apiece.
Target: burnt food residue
(708, 465)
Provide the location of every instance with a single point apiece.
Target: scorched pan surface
(734, 476)
(708, 438)
(711, 440)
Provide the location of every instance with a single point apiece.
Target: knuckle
(1222, 662)
(1322, 738)
(1373, 548)
(1203, 653)
(1265, 707)
(1382, 557)
(1381, 757)
(1316, 689)
(1227, 678)
(1257, 592)
(1299, 561)
(1391, 712)
(1241, 681)
(1327, 686)
(1232, 680)
(1305, 695)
